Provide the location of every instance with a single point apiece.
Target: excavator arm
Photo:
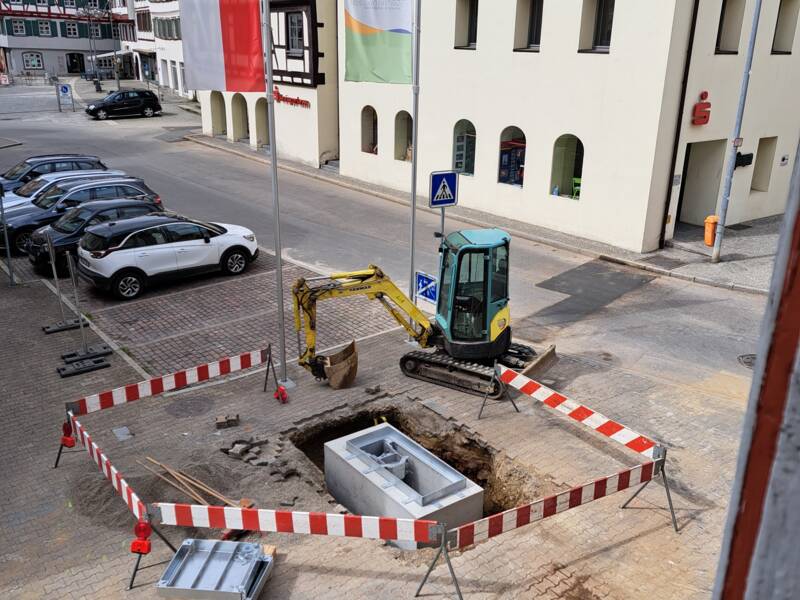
(340, 369)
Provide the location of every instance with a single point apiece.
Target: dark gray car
(34, 166)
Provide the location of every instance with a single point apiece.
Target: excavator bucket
(341, 368)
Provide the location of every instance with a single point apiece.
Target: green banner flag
(378, 40)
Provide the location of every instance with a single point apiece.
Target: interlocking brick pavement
(72, 528)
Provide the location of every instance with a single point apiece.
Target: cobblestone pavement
(71, 526)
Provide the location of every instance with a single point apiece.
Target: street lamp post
(113, 46)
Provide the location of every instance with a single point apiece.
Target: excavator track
(470, 377)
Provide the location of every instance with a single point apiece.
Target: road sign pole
(414, 141)
(7, 241)
(57, 87)
(443, 222)
(71, 99)
(266, 29)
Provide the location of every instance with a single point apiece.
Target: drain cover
(748, 360)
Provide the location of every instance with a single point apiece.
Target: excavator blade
(341, 368)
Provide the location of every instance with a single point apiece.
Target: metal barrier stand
(64, 324)
(495, 378)
(660, 459)
(441, 531)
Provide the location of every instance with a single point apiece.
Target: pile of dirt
(94, 496)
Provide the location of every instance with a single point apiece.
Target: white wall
(612, 102)
(771, 108)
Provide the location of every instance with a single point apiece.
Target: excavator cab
(472, 311)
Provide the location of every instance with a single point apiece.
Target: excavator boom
(340, 369)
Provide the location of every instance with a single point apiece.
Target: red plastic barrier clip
(281, 395)
(141, 545)
(66, 438)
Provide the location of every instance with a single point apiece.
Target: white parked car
(125, 256)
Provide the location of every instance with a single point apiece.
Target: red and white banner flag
(222, 45)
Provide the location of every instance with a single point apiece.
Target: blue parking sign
(426, 287)
(444, 189)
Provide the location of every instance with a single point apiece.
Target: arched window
(512, 156)
(403, 129)
(464, 147)
(369, 130)
(567, 167)
(32, 61)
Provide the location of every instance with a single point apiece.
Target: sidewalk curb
(198, 139)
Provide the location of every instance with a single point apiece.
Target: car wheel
(20, 241)
(102, 115)
(148, 112)
(234, 261)
(128, 285)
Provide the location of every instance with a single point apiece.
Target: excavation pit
(506, 483)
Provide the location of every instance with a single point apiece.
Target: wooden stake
(194, 496)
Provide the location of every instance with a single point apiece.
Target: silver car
(31, 190)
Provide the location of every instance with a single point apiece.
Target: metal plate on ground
(216, 569)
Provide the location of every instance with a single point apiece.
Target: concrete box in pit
(383, 473)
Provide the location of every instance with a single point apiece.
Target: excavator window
(448, 264)
(500, 274)
(469, 306)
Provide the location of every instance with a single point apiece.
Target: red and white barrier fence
(578, 412)
(281, 521)
(492, 526)
(110, 471)
(167, 383)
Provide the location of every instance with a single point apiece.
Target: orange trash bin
(711, 229)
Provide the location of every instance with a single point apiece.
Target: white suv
(124, 256)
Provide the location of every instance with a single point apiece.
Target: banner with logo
(378, 40)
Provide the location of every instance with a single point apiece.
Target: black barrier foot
(135, 570)
(82, 366)
(90, 352)
(442, 550)
(669, 500)
(63, 326)
(58, 456)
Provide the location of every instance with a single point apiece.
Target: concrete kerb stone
(199, 139)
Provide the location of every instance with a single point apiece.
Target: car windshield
(30, 188)
(15, 171)
(73, 220)
(49, 198)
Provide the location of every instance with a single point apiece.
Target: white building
(306, 98)
(54, 38)
(583, 116)
(137, 40)
(166, 18)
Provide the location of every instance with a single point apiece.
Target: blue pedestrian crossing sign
(426, 287)
(444, 189)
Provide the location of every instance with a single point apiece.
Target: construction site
(377, 482)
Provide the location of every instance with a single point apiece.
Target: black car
(50, 206)
(34, 166)
(125, 103)
(68, 230)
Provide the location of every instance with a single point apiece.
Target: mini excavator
(470, 331)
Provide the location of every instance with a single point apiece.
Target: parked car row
(115, 224)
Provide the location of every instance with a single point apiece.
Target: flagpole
(414, 140)
(266, 33)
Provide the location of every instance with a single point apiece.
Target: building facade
(602, 119)
(55, 37)
(137, 40)
(306, 90)
(166, 16)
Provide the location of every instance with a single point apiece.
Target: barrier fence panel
(167, 383)
(492, 526)
(282, 521)
(110, 471)
(578, 412)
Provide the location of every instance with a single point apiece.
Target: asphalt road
(610, 315)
